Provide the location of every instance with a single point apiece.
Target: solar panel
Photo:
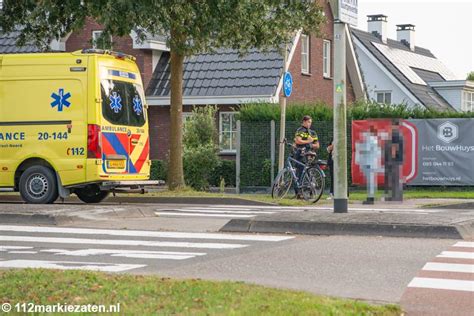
(404, 60)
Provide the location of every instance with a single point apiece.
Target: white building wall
(376, 79)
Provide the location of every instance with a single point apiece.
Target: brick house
(222, 78)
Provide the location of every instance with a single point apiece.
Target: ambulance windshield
(122, 103)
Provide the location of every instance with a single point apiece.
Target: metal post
(340, 119)
(272, 150)
(281, 151)
(237, 158)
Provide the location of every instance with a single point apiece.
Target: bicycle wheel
(312, 186)
(282, 184)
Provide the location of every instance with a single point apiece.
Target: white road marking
(388, 210)
(146, 243)
(69, 265)
(203, 215)
(8, 248)
(197, 210)
(127, 253)
(456, 254)
(464, 244)
(22, 252)
(231, 209)
(443, 284)
(449, 267)
(141, 233)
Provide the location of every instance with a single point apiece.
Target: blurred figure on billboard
(393, 161)
(368, 155)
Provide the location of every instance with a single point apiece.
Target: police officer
(305, 140)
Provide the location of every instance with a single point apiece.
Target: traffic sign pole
(340, 119)
(281, 150)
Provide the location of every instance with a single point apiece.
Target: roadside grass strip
(153, 295)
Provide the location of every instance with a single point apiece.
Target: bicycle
(311, 181)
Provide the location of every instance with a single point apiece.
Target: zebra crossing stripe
(117, 242)
(456, 255)
(69, 265)
(142, 254)
(196, 210)
(203, 215)
(443, 284)
(449, 267)
(464, 244)
(9, 248)
(141, 233)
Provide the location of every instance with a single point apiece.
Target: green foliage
(225, 170)
(190, 27)
(200, 147)
(199, 164)
(159, 170)
(201, 127)
(265, 112)
(470, 76)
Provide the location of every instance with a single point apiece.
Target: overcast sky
(445, 27)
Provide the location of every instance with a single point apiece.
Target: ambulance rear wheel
(38, 185)
(91, 194)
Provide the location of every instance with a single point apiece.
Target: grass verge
(147, 295)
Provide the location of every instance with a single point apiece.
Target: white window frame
(384, 93)
(305, 54)
(326, 58)
(95, 37)
(231, 150)
(468, 101)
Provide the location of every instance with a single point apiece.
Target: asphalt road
(374, 269)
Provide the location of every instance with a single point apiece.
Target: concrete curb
(461, 231)
(38, 219)
(157, 200)
(65, 218)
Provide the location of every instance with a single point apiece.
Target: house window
(468, 101)
(99, 43)
(227, 132)
(384, 97)
(327, 59)
(305, 54)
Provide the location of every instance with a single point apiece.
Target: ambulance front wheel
(91, 194)
(38, 185)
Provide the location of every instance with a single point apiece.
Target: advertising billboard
(436, 152)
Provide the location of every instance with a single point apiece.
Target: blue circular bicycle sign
(287, 84)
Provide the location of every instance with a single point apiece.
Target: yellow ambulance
(72, 123)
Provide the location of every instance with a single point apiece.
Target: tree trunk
(175, 171)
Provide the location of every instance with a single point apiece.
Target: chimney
(377, 25)
(406, 35)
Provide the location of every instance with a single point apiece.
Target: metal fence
(258, 153)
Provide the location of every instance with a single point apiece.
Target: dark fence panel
(256, 149)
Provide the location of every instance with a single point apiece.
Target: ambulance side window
(137, 111)
(114, 106)
(122, 103)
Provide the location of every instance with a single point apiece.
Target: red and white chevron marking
(445, 285)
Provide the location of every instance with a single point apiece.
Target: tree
(470, 76)
(190, 27)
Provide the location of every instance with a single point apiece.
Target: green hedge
(225, 169)
(265, 112)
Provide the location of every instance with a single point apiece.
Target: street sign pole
(281, 150)
(340, 119)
